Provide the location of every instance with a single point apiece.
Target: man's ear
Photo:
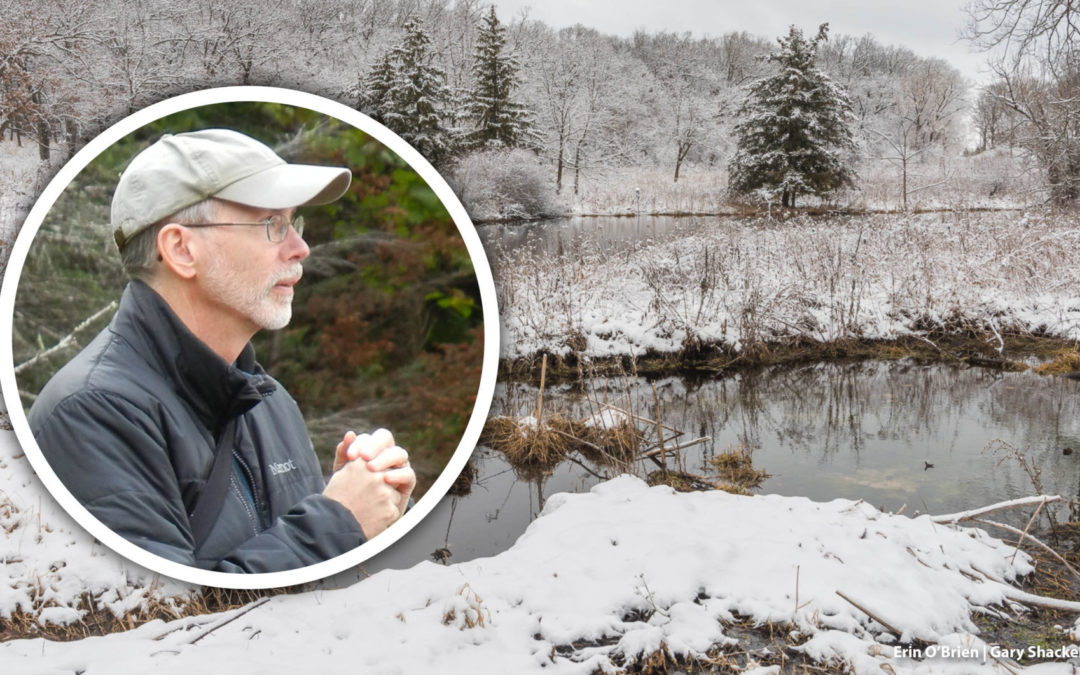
(175, 250)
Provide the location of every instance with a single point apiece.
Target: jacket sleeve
(113, 457)
(316, 529)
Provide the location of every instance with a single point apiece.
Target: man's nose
(294, 247)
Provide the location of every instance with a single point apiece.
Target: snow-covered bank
(598, 580)
(733, 283)
(50, 563)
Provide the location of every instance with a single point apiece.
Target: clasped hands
(372, 478)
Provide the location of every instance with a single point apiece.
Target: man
(165, 427)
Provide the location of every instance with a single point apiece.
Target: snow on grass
(50, 563)
(599, 580)
(734, 282)
(20, 170)
(994, 179)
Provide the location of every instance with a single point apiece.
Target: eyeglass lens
(277, 227)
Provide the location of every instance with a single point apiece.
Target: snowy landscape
(582, 591)
(644, 222)
(734, 282)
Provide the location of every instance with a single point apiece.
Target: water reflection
(562, 235)
(860, 431)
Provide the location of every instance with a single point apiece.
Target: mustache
(294, 271)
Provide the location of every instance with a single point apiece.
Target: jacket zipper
(253, 511)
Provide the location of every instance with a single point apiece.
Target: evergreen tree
(408, 94)
(793, 136)
(372, 95)
(500, 120)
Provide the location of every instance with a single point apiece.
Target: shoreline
(718, 360)
(753, 212)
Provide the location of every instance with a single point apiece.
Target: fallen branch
(1024, 534)
(639, 418)
(1039, 600)
(234, 617)
(652, 452)
(65, 341)
(1000, 506)
(185, 623)
(1010, 528)
(870, 614)
(927, 341)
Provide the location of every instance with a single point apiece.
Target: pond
(564, 234)
(926, 437)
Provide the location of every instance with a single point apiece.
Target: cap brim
(289, 185)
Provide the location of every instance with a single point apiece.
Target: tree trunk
(559, 169)
(44, 137)
(577, 168)
(682, 149)
(71, 129)
(903, 180)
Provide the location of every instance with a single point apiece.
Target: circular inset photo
(250, 337)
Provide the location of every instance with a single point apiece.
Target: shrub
(503, 184)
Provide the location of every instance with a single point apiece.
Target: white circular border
(487, 296)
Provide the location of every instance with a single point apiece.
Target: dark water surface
(860, 431)
(560, 235)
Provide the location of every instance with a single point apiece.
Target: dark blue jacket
(130, 426)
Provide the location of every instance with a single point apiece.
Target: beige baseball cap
(184, 169)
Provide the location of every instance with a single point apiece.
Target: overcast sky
(927, 27)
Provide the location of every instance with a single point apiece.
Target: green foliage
(794, 136)
(386, 321)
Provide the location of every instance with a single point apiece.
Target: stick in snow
(1032, 539)
(1000, 506)
(870, 614)
(234, 617)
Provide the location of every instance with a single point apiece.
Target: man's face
(247, 276)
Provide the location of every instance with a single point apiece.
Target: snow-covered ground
(50, 562)
(735, 282)
(598, 580)
(615, 574)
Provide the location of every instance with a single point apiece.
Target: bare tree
(231, 41)
(925, 115)
(559, 67)
(44, 63)
(686, 91)
(1034, 48)
(996, 123)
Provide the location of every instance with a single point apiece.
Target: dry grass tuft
(96, 619)
(681, 481)
(1062, 364)
(736, 467)
(528, 445)
(616, 445)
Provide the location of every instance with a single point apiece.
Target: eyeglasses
(277, 226)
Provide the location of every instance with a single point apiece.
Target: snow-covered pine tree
(794, 135)
(408, 94)
(371, 96)
(499, 119)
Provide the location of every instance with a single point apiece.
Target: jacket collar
(217, 391)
